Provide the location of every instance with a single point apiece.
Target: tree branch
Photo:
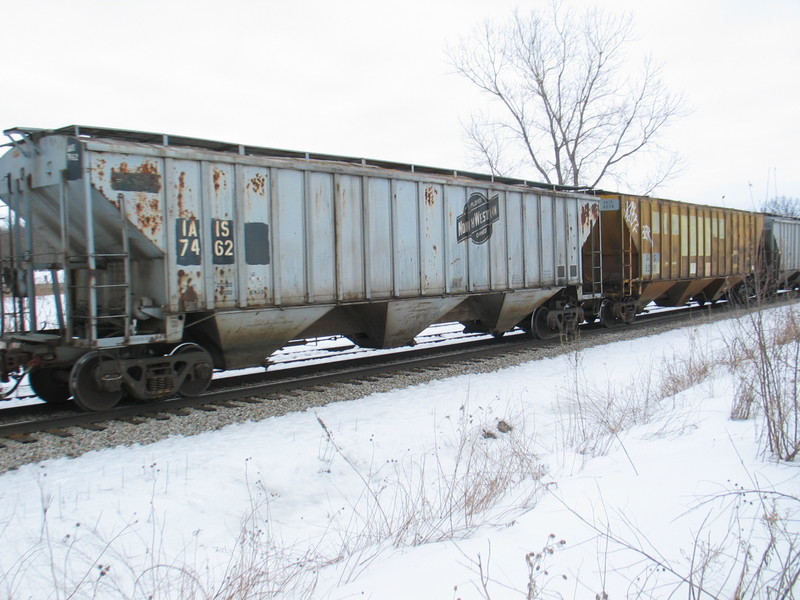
(561, 94)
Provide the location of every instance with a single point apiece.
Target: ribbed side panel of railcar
(254, 235)
(669, 252)
(786, 235)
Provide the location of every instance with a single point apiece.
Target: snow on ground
(423, 492)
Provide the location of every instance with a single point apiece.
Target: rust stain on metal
(224, 288)
(220, 180)
(186, 291)
(590, 213)
(258, 184)
(148, 167)
(101, 168)
(181, 184)
(148, 213)
(430, 195)
(183, 212)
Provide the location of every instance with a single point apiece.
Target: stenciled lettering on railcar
(476, 220)
(222, 241)
(189, 249)
(74, 159)
(187, 235)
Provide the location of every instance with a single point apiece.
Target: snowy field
(614, 470)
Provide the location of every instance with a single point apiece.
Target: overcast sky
(371, 79)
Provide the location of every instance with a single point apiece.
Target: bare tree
(563, 103)
(782, 205)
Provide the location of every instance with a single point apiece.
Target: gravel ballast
(119, 433)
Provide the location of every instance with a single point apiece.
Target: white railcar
(168, 257)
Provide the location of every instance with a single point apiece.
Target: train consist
(134, 264)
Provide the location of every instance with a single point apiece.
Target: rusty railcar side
(670, 252)
(171, 254)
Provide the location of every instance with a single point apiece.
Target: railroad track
(295, 356)
(30, 424)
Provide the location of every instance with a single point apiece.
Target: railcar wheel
(628, 310)
(90, 388)
(50, 384)
(539, 325)
(200, 369)
(607, 318)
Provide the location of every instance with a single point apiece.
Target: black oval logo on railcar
(476, 220)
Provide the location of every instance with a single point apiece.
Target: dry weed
(765, 356)
(596, 416)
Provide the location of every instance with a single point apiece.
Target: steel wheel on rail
(199, 369)
(91, 389)
(628, 310)
(539, 325)
(50, 384)
(607, 318)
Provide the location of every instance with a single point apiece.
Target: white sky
(369, 78)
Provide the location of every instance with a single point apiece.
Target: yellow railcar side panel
(656, 233)
(671, 240)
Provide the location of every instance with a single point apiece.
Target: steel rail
(263, 385)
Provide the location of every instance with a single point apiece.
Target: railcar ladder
(597, 261)
(12, 313)
(627, 259)
(18, 309)
(94, 314)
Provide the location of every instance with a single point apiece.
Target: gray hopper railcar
(136, 263)
(782, 250)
